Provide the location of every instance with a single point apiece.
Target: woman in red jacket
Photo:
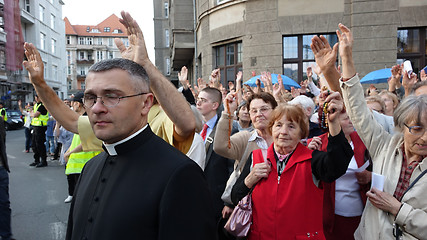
(287, 202)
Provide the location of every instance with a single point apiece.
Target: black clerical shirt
(149, 190)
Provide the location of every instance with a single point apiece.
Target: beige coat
(386, 152)
(240, 145)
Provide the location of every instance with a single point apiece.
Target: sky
(92, 12)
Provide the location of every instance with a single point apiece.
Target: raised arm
(325, 58)
(172, 102)
(61, 112)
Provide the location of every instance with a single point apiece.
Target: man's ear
(147, 104)
(215, 105)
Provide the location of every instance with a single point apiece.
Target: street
(36, 194)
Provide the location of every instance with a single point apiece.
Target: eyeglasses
(262, 110)
(415, 130)
(109, 100)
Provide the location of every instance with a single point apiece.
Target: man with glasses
(140, 186)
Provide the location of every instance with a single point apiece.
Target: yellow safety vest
(41, 120)
(77, 161)
(5, 113)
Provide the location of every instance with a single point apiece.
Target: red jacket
(291, 208)
(329, 188)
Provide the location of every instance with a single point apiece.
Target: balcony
(85, 61)
(182, 49)
(27, 17)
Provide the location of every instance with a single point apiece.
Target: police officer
(3, 116)
(39, 123)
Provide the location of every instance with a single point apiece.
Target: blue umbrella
(377, 76)
(287, 81)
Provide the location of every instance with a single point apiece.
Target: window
(53, 46)
(166, 10)
(82, 71)
(69, 85)
(41, 13)
(89, 56)
(297, 54)
(81, 55)
(99, 56)
(110, 55)
(166, 37)
(42, 41)
(46, 73)
(95, 30)
(106, 29)
(82, 85)
(68, 56)
(411, 45)
(229, 61)
(27, 6)
(69, 70)
(117, 31)
(52, 21)
(168, 66)
(81, 40)
(110, 42)
(221, 1)
(89, 41)
(99, 40)
(55, 72)
(68, 40)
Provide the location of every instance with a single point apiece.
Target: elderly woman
(399, 210)
(287, 202)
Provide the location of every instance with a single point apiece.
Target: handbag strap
(396, 230)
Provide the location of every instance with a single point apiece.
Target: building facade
(275, 35)
(42, 25)
(39, 22)
(88, 44)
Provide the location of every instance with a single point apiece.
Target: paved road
(36, 194)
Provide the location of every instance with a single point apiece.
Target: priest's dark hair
(138, 74)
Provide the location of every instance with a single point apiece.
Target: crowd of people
(145, 160)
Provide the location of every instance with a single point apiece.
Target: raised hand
(315, 143)
(231, 86)
(34, 64)
(325, 56)
(335, 106)
(231, 98)
(309, 73)
(239, 76)
(345, 38)
(215, 78)
(182, 76)
(408, 82)
(137, 50)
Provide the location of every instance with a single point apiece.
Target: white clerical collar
(111, 147)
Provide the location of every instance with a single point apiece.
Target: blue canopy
(377, 76)
(287, 81)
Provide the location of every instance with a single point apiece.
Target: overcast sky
(92, 12)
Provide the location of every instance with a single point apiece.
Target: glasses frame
(118, 100)
(261, 110)
(412, 127)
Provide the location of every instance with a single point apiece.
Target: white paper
(377, 181)
(363, 167)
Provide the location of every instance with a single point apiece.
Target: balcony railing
(85, 61)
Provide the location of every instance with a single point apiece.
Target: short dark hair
(265, 96)
(214, 93)
(136, 71)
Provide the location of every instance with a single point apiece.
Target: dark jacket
(150, 190)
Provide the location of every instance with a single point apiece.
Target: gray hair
(139, 76)
(304, 101)
(410, 109)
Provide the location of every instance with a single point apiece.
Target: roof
(110, 27)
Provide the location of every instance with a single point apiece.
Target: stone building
(88, 44)
(275, 35)
(41, 24)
